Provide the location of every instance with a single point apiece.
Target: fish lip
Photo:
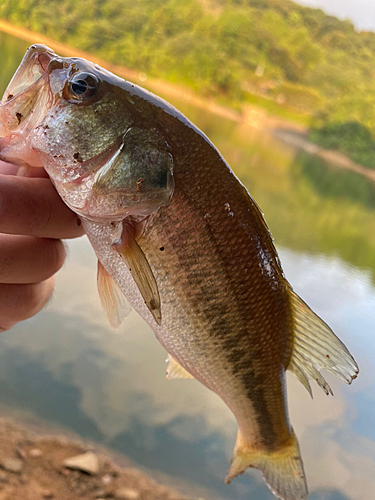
(44, 55)
(29, 78)
(32, 67)
(20, 108)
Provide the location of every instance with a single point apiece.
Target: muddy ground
(32, 468)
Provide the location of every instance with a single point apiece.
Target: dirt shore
(34, 467)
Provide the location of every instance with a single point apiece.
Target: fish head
(107, 158)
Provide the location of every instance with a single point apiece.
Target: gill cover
(140, 172)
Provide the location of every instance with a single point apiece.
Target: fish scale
(218, 313)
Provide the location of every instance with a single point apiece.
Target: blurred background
(287, 93)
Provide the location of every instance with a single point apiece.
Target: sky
(360, 12)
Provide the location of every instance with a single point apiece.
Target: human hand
(33, 219)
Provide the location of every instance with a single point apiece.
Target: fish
(180, 238)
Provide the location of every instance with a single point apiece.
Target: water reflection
(332, 182)
(111, 387)
(67, 366)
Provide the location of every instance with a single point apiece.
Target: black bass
(179, 236)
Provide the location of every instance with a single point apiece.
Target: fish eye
(82, 86)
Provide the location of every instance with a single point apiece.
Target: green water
(67, 367)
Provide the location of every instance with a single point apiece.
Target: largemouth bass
(179, 236)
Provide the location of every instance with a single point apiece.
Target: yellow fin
(141, 271)
(282, 469)
(315, 346)
(175, 370)
(113, 301)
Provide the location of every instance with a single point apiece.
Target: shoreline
(334, 158)
(37, 465)
(280, 128)
(174, 91)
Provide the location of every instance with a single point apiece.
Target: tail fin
(282, 469)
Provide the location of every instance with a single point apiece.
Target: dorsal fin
(315, 346)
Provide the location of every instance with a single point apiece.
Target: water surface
(67, 367)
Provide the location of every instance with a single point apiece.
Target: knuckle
(44, 216)
(6, 264)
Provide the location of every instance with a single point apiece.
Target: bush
(351, 138)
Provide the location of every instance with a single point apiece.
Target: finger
(8, 168)
(32, 206)
(20, 302)
(27, 259)
(31, 172)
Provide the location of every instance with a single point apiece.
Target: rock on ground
(43, 475)
(86, 462)
(12, 465)
(127, 494)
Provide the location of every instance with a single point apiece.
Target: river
(67, 368)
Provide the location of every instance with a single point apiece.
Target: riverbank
(37, 467)
(173, 91)
(253, 115)
(301, 141)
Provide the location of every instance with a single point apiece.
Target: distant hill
(288, 58)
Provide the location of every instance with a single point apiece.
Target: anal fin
(315, 346)
(175, 370)
(113, 301)
(140, 270)
(282, 469)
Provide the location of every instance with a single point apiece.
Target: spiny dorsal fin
(113, 301)
(315, 346)
(282, 469)
(175, 370)
(140, 270)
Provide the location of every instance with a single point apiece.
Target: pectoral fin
(315, 346)
(175, 370)
(140, 270)
(113, 301)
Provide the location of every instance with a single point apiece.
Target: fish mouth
(33, 67)
(23, 104)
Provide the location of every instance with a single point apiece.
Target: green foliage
(352, 138)
(298, 59)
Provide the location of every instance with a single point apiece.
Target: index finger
(32, 206)
(8, 168)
